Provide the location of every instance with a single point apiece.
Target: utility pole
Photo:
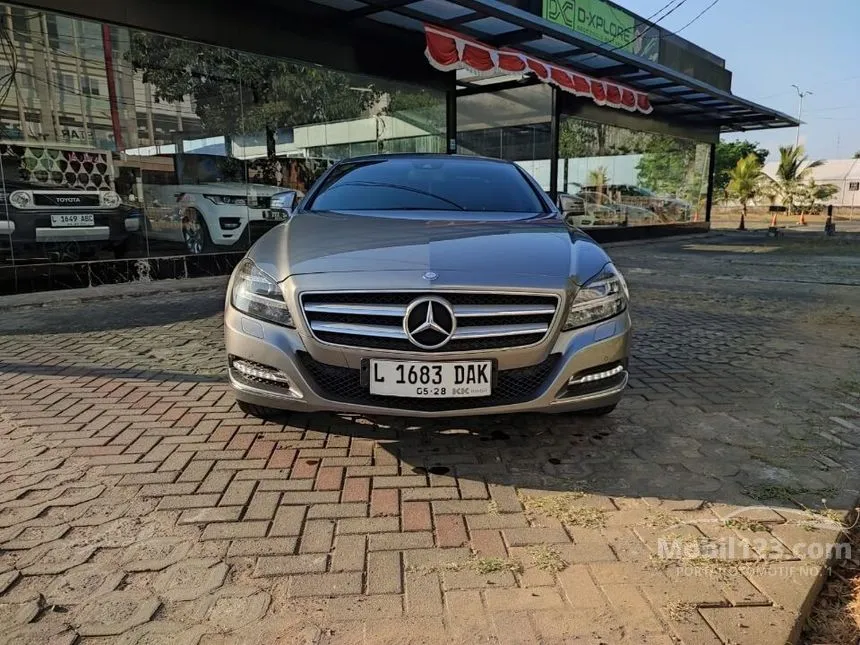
(111, 85)
(799, 112)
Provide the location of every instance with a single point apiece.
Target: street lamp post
(800, 95)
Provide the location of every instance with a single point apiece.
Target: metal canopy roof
(674, 95)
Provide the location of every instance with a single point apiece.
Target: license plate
(273, 215)
(431, 380)
(73, 219)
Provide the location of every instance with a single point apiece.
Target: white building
(842, 173)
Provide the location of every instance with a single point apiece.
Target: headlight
(20, 199)
(232, 200)
(602, 297)
(258, 295)
(110, 199)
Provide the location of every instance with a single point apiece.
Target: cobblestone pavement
(138, 504)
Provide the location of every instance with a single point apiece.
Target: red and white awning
(447, 51)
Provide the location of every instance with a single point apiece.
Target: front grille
(66, 200)
(343, 384)
(484, 321)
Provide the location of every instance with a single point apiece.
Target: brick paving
(139, 505)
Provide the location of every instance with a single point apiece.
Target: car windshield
(435, 184)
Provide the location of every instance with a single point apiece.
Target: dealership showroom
(161, 132)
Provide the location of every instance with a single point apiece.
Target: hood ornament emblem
(429, 322)
(430, 275)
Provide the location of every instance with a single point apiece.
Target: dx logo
(562, 12)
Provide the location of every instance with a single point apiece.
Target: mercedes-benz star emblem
(431, 275)
(429, 322)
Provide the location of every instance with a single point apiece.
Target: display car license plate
(276, 216)
(73, 219)
(423, 380)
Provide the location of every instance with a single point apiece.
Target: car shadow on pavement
(612, 456)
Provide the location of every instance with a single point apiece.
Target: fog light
(255, 370)
(229, 223)
(597, 376)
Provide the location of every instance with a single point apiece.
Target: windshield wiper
(406, 188)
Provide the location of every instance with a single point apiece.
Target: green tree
(237, 93)
(813, 193)
(792, 173)
(665, 164)
(577, 139)
(857, 155)
(745, 183)
(728, 153)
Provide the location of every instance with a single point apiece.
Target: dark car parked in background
(68, 224)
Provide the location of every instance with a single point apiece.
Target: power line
(699, 15)
(646, 30)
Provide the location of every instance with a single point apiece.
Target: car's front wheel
(195, 233)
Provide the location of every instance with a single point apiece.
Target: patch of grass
(436, 568)
(547, 558)
(745, 524)
(680, 612)
(494, 565)
(835, 618)
(849, 384)
(492, 507)
(779, 493)
(562, 508)
(660, 520)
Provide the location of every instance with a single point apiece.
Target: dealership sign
(448, 51)
(594, 18)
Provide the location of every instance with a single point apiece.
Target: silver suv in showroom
(426, 285)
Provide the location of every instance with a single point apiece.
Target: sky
(769, 45)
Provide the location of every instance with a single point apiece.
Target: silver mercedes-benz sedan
(426, 285)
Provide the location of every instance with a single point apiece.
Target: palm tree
(794, 170)
(598, 178)
(745, 182)
(813, 193)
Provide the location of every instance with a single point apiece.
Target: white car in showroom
(213, 216)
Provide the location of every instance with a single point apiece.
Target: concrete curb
(662, 240)
(112, 292)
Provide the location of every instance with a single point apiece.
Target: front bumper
(33, 227)
(316, 384)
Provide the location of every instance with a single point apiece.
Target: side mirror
(285, 201)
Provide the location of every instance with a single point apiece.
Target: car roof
(426, 155)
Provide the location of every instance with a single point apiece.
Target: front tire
(196, 233)
(261, 411)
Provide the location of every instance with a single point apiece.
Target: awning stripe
(448, 51)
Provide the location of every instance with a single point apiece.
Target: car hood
(230, 188)
(341, 242)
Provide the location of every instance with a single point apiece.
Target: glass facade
(133, 156)
(509, 124)
(122, 144)
(611, 176)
